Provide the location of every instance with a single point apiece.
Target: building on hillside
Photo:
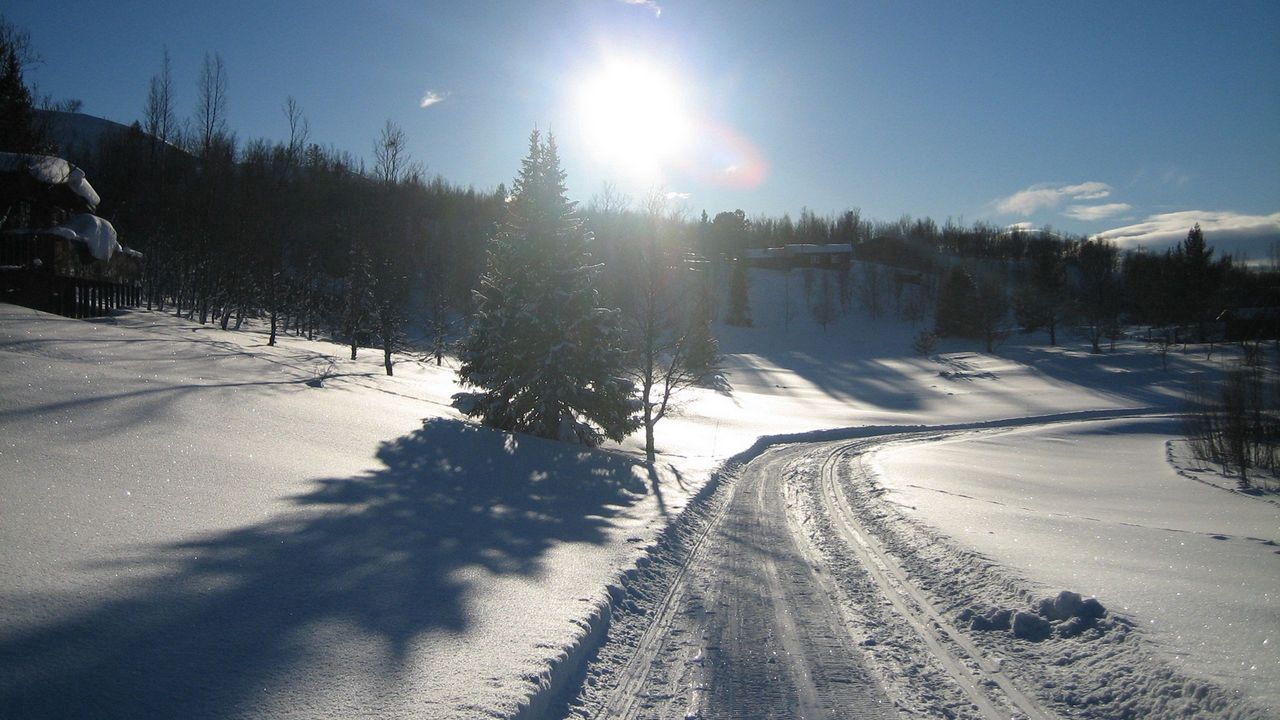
(837, 256)
(56, 255)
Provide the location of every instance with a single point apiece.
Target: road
(780, 604)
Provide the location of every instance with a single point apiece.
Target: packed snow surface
(198, 525)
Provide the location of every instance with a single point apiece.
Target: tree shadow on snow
(864, 381)
(229, 619)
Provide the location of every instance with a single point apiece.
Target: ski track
(785, 593)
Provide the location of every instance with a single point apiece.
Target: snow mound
(93, 231)
(1066, 615)
(51, 170)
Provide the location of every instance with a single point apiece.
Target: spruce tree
(546, 359)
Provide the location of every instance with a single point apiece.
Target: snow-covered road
(799, 590)
(747, 629)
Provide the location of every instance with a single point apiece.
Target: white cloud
(1228, 232)
(655, 7)
(1037, 197)
(1096, 212)
(674, 195)
(431, 97)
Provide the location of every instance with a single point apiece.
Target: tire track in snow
(912, 603)
(747, 630)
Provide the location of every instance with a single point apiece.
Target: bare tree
(391, 160)
(299, 129)
(660, 346)
(827, 308)
(609, 201)
(211, 103)
(159, 120)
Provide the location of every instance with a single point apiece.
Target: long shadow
(867, 381)
(231, 622)
(1137, 376)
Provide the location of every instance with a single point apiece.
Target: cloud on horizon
(1038, 197)
(1096, 212)
(431, 97)
(1230, 233)
(655, 7)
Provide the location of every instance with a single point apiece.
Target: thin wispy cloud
(655, 7)
(1096, 212)
(431, 97)
(1039, 197)
(1231, 233)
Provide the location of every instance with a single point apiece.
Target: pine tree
(956, 303)
(546, 359)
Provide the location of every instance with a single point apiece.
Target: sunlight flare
(635, 117)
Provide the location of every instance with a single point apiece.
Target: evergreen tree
(704, 348)
(546, 359)
(1198, 280)
(1042, 297)
(957, 302)
(739, 312)
(17, 117)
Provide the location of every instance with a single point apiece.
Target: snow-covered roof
(811, 249)
(91, 230)
(51, 170)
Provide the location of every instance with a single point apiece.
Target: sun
(634, 117)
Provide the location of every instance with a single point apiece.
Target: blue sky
(1131, 119)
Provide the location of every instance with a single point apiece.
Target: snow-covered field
(197, 525)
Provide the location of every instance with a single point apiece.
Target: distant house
(837, 255)
(55, 254)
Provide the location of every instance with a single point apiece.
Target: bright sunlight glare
(634, 117)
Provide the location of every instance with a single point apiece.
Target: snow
(98, 234)
(1095, 506)
(198, 525)
(191, 530)
(51, 171)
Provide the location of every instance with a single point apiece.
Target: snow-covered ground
(196, 524)
(1096, 507)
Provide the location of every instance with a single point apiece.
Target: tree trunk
(649, 452)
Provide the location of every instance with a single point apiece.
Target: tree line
(313, 241)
